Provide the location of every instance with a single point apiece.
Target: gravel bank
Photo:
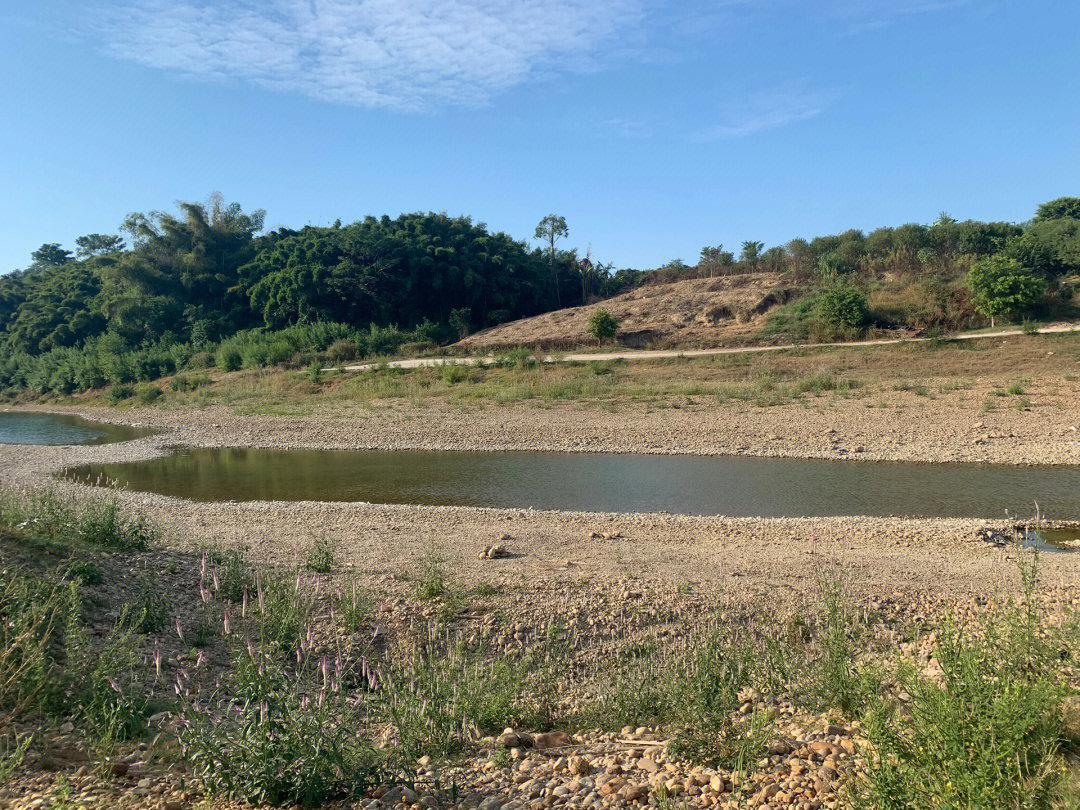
(892, 426)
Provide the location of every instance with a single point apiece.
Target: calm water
(53, 428)
(699, 485)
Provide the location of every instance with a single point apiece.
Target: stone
(551, 739)
(508, 739)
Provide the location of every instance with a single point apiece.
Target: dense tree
(98, 244)
(396, 271)
(1061, 208)
(50, 255)
(1002, 286)
(183, 270)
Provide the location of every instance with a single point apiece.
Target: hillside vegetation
(205, 287)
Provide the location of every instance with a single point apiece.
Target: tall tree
(751, 252)
(50, 255)
(98, 244)
(552, 228)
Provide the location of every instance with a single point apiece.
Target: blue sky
(654, 126)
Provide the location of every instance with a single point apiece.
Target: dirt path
(646, 354)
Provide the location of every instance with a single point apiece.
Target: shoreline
(912, 559)
(843, 430)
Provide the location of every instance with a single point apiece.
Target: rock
(508, 739)
(490, 803)
(119, 768)
(633, 793)
(551, 739)
(579, 766)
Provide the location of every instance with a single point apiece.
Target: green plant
(101, 523)
(147, 611)
(277, 737)
(283, 608)
(118, 393)
(842, 306)
(353, 606)
(1017, 388)
(12, 753)
(520, 358)
(432, 581)
(148, 394)
(320, 557)
(603, 325)
(84, 572)
(315, 372)
(838, 683)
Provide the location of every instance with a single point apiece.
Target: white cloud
(772, 108)
(398, 54)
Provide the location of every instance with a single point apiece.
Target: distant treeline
(206, 286)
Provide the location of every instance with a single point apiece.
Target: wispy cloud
(866, 15)
(397, 54)
(769, 109)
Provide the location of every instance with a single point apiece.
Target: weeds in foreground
(984, 727)
(274, 737)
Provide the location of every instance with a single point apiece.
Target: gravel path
(657, 354)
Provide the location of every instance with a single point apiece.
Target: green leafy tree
(98, 244)
(751, 252)
(50, 255)
(715, 260)
(1061, 208)
(552, 228)
(603, 325)
(1000, 285)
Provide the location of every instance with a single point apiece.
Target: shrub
(118, 393)
(148, 394)
(228, 358)
(843, 306)
(341, 350)
(603, 325)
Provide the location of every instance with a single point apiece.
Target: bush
(118, 393)
(843, 306)
(603, 325)
(341, 350)
(148, 394)
(185, 383)
(228, 358)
